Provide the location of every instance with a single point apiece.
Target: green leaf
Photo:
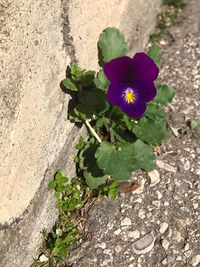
(60, 177)
(94, 100)
(155, 53)
(115, 161)
(111, 45)
(80, 144)
(144, 156)
(112, 193)
(87, 77)
(193, 124)
(52, 184)
(94, 182)
(165, 94)
(120, 161)
(69, 84)
(76, 71)
(101, 80)
(81, 113)
(155, 112)
(151, 131)
(89, 161)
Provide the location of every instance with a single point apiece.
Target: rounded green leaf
(155, 53)
(165, 94)
(155, 112)
(69, 84)
(120, 161)
(111, 45)
(151, 131)
(94, 182)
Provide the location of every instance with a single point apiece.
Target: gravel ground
(159, 223)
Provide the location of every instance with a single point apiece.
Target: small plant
(123, 109)
(74, 199)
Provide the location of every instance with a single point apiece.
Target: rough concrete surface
(159, 223)
(38, 40)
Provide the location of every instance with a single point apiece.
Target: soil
(158, 225)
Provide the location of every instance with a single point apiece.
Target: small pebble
(179, 258)
(195, 260)
(164, 262)
(195, 205)
(133, 234)
(102, 245)
(187, 246)
(165, 166)
(43, 258)
(159, 195)
(165, 244)
(156, 203)
(144, 244)
(197, 171)
(186, 165)
(118, 248)
(154, 177)
(163, 227)
(141, 214)
(117, 232)
(126, 222)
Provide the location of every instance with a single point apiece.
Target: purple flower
(131, 83)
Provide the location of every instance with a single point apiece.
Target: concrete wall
(38, 40)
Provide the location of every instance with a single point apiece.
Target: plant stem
(93, 131)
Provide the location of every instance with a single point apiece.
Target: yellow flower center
(129, 96)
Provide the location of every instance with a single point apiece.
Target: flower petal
(144, 67)
(135, 110)
(115, 93)
(120, 70)
(146, 90)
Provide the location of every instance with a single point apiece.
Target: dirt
(158, 225)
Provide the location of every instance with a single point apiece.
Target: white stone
(179, 258)
(43, 258)
(126, 222)
(186, 165)
(102, 245)
(163, 227)
(197, 171)
(156, 203)
(195, 205)
(187, 246)
(164, 262)
(141, 214)
(154, 177)
(144, 244)
(165, 166)
(133, 234)
(195, 260)
(140, 189)
(118, 248)
(165, 244)
(159, 195)
(117, 232)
